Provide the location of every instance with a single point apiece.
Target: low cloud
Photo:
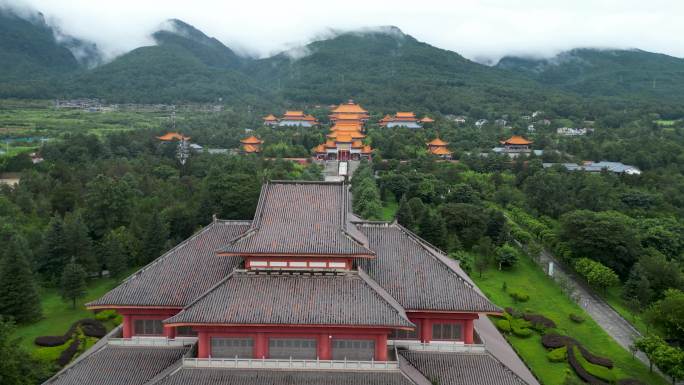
(479, 30)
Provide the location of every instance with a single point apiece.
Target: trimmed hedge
(539, 322)
(598, 371)
(558, 355)
(519, 296)
(580, 370)
(91, 328)
(576, 318)
(630, 381)
(504, 325)
(555, 340)
(69, 353)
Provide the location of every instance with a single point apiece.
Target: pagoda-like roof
(251, 140)
(427, 120)
(299, 218)
(120, 365)
(295, 299)
(437, 142)
(250, 148)
(347, 126)
(405, 116)
(293, 114)
(440, 151)
(516, 140)
(270, 118)
(418, 276)
(354, 134)
(366, 150)
(310, 118)
(180, 275)
(349, 107)
(319, 149)
(170, 136)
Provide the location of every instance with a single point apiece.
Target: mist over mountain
(381, 64)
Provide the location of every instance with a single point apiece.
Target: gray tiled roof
(299, 218)
(182, 274)
(305, 299)
(119, 365)
(416, 275)
(281, 377)
(461, 368)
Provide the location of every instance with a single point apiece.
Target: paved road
(612, 322)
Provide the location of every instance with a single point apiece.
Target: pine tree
(433, 229)
(18, 292)
(54, 255)
(114, 251)
(404, 215)
(16, 366)
(153, 236)
(73, 282)
(78, 243)
(637, 287)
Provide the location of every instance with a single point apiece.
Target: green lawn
(389, 208)
(547, 299)
(58, 315)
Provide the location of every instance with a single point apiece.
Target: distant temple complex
(251, 145)
(345, 140)
(173, 136)
(515, 146)
(291, 119)
(438, 147)
(305, 293)
(404, 119)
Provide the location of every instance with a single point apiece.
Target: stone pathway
(613, 323)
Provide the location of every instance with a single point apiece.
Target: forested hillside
(384, 67)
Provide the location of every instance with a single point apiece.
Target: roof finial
(214, 218)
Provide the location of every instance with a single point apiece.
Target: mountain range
(384, 67)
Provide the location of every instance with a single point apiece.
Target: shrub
(574, 362)
(558, 354)
(93, 328)
(50, 341)
(594, 359)
(576, 318)
(68, 353)
(519, 296)
(106, 315)
(555, 340)
(521, 332)
(630, 381)
(504, 325)
(598, 371)
(539, 322)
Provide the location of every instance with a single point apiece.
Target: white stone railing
(153, 341)
(437, 346)
(292, 364)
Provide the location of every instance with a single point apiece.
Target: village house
(481, 122)
(589, 166)
(305, 293)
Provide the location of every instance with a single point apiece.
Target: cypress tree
(73, 283)
(433, 229)
(153, 237)
(18, 292)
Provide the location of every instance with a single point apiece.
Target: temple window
(297, 348)
(185, 331)
(447, 331)
(232, 347)
(399, 334)
(355, 350)
(148, 327)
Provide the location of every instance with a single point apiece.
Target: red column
(261, 346)
(381, 347)
(127, 326)
(324, 348)
(425, 330)
(203, 346)
(468, 332)
(169, 332)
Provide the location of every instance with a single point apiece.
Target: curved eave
(277, 254)
(334, 326)
(125, 307)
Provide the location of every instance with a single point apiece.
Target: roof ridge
(194, 301)
(383, 293)
(440, 256)
(160, 258)
(72, 365)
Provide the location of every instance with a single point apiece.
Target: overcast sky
(480, 30)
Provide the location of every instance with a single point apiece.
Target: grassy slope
(389, 208)
(58, 315)
(547, 299)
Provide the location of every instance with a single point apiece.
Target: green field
(547, 298)
(58, 315)
(50, 122)
(389, 208)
